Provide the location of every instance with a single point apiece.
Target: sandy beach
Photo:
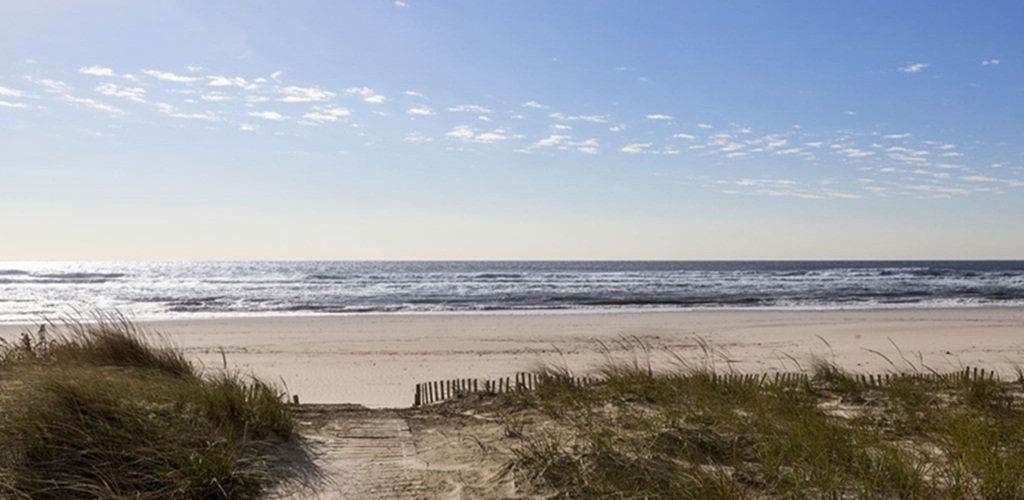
(375, 360)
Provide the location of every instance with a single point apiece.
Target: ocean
(30, 291)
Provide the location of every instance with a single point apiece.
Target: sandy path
(370, 457)
(385, 454)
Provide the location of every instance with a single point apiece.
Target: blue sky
(511, 130)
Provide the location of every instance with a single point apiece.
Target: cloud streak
(169, 77)
(268, 115)
(366, 93)
(914, 68)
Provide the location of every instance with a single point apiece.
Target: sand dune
(376, 360)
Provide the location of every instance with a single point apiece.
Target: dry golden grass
(693, 433)
(101, 409)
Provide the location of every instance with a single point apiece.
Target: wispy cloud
(105, 72)
(491, 137)
(52, 86)
(468, 134)
(416, 137)
(534, 105)
(914, 68)
(469, 108)
(268, 115)
(588, 146)
(170, 77)
(461, 132)
(420, 111)
(214, 97)
(136, 94)
(92, 103)
(659, 117)
(583, 118)
(636, 148)
(304, 94)
(896, 136)
(551, 141)
(990, 62)
(223, 81)
(855, 153)
(327, 115)
(173, 112)
(7, 92)
(366, 93)
(97, 71)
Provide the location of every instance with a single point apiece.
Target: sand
(376, 360)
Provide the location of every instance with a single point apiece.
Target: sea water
(162, 290)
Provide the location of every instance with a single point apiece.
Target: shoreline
(217, 316)
(376, 359)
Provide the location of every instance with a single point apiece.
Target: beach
(375, 360)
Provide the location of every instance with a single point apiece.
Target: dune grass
(690, 433)
(102, 409)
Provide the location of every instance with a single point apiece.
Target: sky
(526, 129)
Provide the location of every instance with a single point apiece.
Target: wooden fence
(442, 390)
(433, 392)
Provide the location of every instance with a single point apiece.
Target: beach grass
(103, 409)
(693, 432)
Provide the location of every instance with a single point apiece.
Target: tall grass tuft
(100, 339)
(690, 432)
(99, 410)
